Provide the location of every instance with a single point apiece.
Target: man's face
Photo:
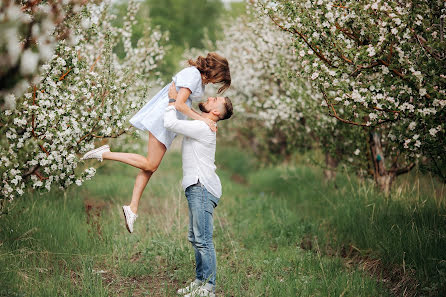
(212, 103)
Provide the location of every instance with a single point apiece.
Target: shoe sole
(125, 218)
(88, 154)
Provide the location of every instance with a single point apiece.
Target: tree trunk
(330, 170)
(383, 177)
(384, 182)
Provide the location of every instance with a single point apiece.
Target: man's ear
(216, 112)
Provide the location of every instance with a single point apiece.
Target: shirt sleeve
(194, 129)
(189, 78)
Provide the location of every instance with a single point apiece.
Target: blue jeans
(201, 209)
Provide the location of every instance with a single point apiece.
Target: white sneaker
(200, 292)
(96, 153)
(193, 285)
(129, 217)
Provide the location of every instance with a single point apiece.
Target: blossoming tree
(276, 102)
(84, 93)
(30, 31)
(311, 83)
(258, 52)
(379, 66)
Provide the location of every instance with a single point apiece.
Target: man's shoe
(96, 153)
(200, 292)
(129, 217)
(193, 285)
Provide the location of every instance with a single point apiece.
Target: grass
(279, 231)
(405, 232)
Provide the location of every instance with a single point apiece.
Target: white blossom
(48, 126)
(29, 62)
(433, 131)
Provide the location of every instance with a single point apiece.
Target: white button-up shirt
(199, 144)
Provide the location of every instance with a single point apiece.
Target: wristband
(171, 100)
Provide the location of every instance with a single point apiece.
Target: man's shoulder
(203, 128)
(202, 124)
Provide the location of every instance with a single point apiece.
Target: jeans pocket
(191, 191)
(209, 207)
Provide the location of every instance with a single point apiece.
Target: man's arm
(194, 129)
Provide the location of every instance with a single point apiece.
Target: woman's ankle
(133, 208)
(106, 155)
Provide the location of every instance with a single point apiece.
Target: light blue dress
(151, 116)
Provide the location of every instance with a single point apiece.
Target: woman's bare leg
(138, 161)
(155, 153)
(140, 183)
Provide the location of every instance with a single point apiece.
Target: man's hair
(228, 109)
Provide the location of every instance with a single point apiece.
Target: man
(201, 184)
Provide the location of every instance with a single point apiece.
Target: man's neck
(209, 116)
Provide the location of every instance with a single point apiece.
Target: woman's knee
(150, 167)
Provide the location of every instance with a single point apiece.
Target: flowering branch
(294, 31)
(62, 114)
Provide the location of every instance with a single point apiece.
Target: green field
(279, 231)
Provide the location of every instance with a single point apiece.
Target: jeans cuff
(198, 282)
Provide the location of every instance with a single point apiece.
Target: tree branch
(39, 175)
(334, 114)
(294, 31)
(347, 33)
(404, 170)
(31, 170)
(92, 66)
(422, 43)
(65, 74)
(113, 136)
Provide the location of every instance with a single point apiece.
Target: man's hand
(172, 92)
(211, 124)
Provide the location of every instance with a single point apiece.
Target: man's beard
(202, 107)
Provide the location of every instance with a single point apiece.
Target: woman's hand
(180, 105)
(172, 92)
(211, 124)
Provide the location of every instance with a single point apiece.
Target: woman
(190, 83)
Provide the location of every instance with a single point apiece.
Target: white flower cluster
(261, 57)
(378, 64)
(335, 71)
(271, 82)
(30, 32)
(85, 92)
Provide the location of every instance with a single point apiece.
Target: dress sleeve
(188, 78)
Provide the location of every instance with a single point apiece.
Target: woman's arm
(195, 111)
(181, 106)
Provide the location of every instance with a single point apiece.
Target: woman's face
(207, 80)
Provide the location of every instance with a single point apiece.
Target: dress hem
(144, 128)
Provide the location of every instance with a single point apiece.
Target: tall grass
(46, 248)
(273, 228)
(407, 229)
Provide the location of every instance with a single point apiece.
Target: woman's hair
(215, 68)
